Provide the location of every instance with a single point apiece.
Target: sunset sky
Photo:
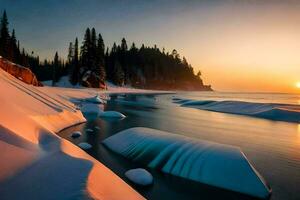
(239, 45)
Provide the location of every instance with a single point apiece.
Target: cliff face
(22, 73)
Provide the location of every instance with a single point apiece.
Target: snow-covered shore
(65, 85)
(38, 164)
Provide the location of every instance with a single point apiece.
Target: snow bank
(37, 164)
(206, 162)
(111, 88)
(139, 176)
(111, 114)
(272, 111)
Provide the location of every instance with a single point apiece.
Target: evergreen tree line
(90, 63)
(144, 67)
(10, 49)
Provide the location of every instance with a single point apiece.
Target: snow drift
(37, 164)
(272, 111)
(214, 164)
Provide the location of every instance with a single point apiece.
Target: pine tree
(124, 46)
(86, 52)
(55, 68)
(114, 48)
(93, 51)
(4, 36)
(100, 58)
(119, 76)
(123, 60)
(75, 65)
(71, 53)
(13, 51)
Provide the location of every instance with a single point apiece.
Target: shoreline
(119, 165)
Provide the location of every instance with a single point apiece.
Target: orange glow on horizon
(256, 48)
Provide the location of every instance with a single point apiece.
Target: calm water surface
(273, 147)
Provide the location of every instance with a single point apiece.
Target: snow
(111, 114)
(76, 134)
(64, 83)
(96, 99)
(139, 176)
(214, 164)
(85, 145)
(38, 164)
(91, 111)
(272, 111)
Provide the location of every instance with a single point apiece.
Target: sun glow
(298, 84)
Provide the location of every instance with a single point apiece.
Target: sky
(239, 45)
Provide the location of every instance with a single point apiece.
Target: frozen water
(272, 111)
(211, 163)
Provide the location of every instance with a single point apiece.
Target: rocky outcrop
(22, 73)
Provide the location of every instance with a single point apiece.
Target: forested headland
(90, 63)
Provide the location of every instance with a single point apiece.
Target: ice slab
(272, 111)
(90, 111)
(211, 163)
(139, 176)
(84, 145)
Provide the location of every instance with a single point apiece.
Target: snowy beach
(36, 160)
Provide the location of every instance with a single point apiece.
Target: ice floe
(272, 111)
(111, 114)
(139, 176)
(211, 163)
(96, 99)
(91, 111)
(84, 145)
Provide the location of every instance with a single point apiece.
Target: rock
(139, 176)
(84, 145)
(22, 73)
(76, 134)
